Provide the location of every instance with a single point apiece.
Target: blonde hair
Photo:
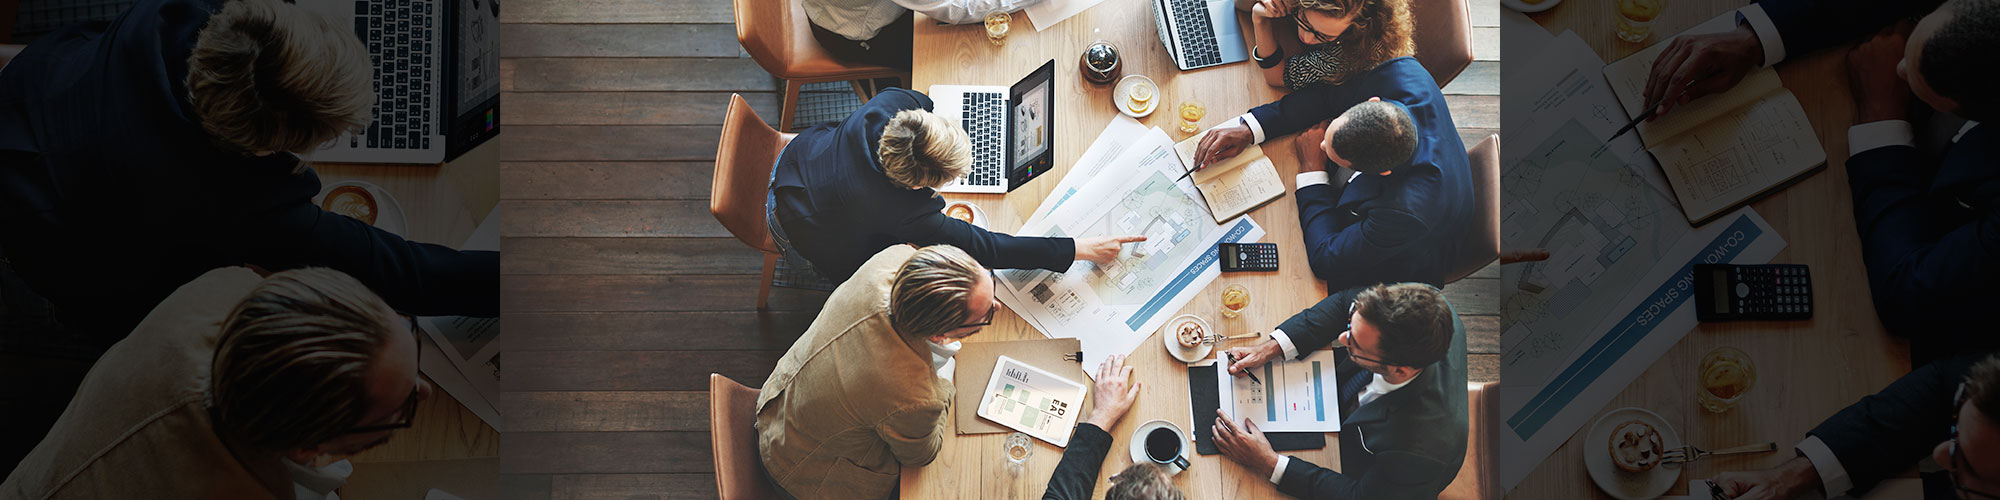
(920, 149)
(931, 290)
(1381, 30)
(270, 76)
(1142, 481)
(291, 370)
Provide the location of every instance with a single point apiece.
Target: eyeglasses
(409, 409)
(995, 278)
(1351, 351)
(1958, 461)
(1299, 16)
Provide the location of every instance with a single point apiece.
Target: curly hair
(1382, 30)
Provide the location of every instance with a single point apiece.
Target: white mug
(1177, 461)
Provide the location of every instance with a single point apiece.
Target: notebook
(1204, 398)
(1727, 149)
(975, 362)
(1234, 186)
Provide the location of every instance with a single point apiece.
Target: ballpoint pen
(1232, 360)
(1654, 109)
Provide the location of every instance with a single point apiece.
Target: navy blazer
(1930, 239)
(1408, 444)
(1810, 25)
(1409, 225)
(112, 196)
(1881, 435)
(839, 208)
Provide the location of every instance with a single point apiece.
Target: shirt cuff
(1256, 130)
(1279, 471)
(1767, 33)
(1315, 177)
(1832, 476)
(1879, 134)
(1285, 342)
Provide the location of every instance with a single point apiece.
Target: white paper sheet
(1047, 13)
(1567, 83)
(1117, 135)
(1289, 395)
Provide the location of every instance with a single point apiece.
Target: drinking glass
(1726, 373)
(1018, 448)
(1191, 114)
(1635, 18)
(1234, 299)
(996, 26)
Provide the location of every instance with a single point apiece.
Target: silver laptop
(437, 85)
(1200, 33)
(1012, 133)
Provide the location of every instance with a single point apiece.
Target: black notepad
(1203, 398)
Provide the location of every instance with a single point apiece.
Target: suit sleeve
(916, 434)
(1316, 327)
(1299, 110)
(994, 250)
(1881, 435)
(1332, 251)
(1914, 264)
(417, 278)
(1809, 25)
(1076, 475)
(1397, 476)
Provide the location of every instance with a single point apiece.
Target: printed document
(1289, 395)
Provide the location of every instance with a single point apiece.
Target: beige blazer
(138, 426)
(852, 402)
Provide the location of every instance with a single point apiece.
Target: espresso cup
(1163, 443)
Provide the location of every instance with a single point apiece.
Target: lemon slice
(1136, 106)
(1141, 92)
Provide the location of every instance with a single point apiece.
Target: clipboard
(975, 368)
(1202, 397)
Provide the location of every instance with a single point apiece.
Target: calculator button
(1742, 290)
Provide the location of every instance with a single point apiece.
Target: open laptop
(1200, 33)
(437, 78)
(1011, 128)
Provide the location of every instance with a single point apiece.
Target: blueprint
(1115, 307)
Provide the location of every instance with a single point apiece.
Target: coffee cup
(1161, 443)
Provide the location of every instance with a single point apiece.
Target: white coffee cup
(1163, 443)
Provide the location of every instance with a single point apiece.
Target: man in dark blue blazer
(126, 171)
(1929, 223)
(1406, 206)
(1402, 395)
(843, 191)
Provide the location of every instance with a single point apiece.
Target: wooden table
(962, 55)
(454, 448)
(1806, 370)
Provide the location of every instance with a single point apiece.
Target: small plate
(1118, 96)
(1186, 355)
(1525, 7)
(1619, 483)
(388, 213)
(978, 216)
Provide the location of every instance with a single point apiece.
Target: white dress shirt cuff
(1285, 343)
(1832, 476)
(1767, 33)
(1879, 134)
(1256, 130)
(1279, 471)
(1312, 178)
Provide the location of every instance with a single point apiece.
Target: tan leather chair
(1485, 159)
(744, 157)
(7, 52)
(732, 432)
(778, 36)
(1444, 37)
(1478, 479)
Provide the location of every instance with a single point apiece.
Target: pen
(1253, 376)
(1715, 491)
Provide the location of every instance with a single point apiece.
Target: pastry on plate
(1636, 446)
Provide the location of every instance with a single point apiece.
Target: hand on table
(1115, 393)
(1788, 480)
(1101, 250)
(1253, 356)
(1716, 61)
(1222, 143)
(1874, 70)
(1245, 446)
(1311, 157)
(1270, 9)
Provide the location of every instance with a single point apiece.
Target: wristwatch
(1267, 62)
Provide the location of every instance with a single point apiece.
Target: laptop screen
(478, 57)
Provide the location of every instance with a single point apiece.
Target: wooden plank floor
(622, 293)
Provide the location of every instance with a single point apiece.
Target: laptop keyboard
(398, 35)
(984, 119)
(1197, 34)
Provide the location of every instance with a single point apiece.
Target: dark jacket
(1408, 444)
(1930, 239)
(1409, 225)
(111, 195)
(839, 208)
(1810, 25)
(1076, 475)
(1881, 435)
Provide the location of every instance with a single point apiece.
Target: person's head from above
(1143, 481)
(314, 364)
(1374, 137)
(1973, 452)
(942, 295)
(920, 149)
(1397, 330)
(1379, 26)
(267, 77)
(1948, 59)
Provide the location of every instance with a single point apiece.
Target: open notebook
(1234, 186)
(1725, 149)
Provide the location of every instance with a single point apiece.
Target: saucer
(1525, 7)
(978, 216)
(1618, 482)
(1118, 96)
(1185, 354)
(388, 213)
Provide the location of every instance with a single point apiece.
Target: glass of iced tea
(996, 26)
(1234, 299)
(1726, 373)
(1635, 19)
(1191, 114)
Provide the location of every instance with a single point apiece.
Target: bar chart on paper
(1288, 396)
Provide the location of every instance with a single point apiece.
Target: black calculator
(1248, 256)
(1728, 292)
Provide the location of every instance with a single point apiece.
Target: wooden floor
(622, 293)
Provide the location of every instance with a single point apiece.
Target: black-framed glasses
(1958, 461)
(1351, 352)
(1299, 16)
(409, 409)
(995, 278)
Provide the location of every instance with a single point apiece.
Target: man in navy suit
(841, 192)
(1929, 223)
(1402, 395)
(1407, 198)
